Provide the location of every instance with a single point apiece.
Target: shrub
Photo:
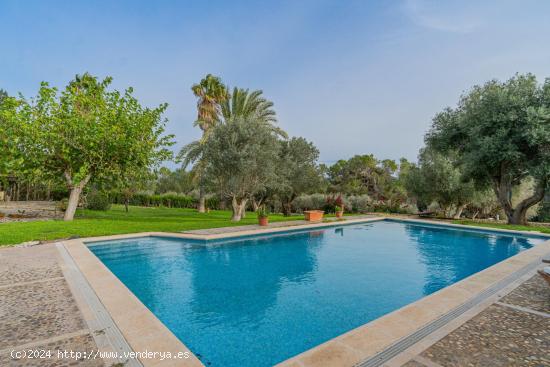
(98, 200)
(359, 203)
(262, 212)
(170, 200)
(62, 204)
(309, 202)
(543, 214)
(213, 202)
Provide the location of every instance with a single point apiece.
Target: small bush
(543, 214)
(62, 204)
(309, 202)
(213, 202)
(98, 200)
(359, 203)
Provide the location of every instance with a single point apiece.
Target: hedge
(167, 200)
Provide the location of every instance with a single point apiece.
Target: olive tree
(241, 157)
(500, 133)
(297, 171)
(437, 178)
(88, 132)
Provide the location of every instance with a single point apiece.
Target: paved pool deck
(42, 307)
(38, 310)
(511, 331)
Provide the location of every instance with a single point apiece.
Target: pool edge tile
(391, 328)
(118, 300)
(347, 349)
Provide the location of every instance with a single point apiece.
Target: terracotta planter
(340, 214)
(314, 215)
(263, 221)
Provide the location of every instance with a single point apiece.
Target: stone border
(245, 233)
(107, 336)
(365, 344)
(426, 330)
(144, 331)
(139, 326)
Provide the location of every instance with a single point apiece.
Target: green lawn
(504, 226)
(116, 221)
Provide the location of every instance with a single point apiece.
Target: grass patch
(512, 227)
(89, 223)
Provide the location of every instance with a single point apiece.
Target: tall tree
(500, 133)
(12, 157)
(364, 174)
(211, 93)
(241, 159)
(88, 132)
(438, 179)
(251, 105)
(297, 171)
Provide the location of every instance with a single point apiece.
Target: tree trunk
(243, 208)
(202, 199)
(459, 211)
(126, 203)
(74, 197)
(517, 215)
(256, 204)
(287, 208)
(237, 208)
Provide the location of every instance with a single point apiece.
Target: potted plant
(339, 206)
(339, 210)
(263, 216)
(313, 215)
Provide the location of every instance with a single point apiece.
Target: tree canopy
(89, 132)
(211, 93)
(500, 135)
(297, 171)
(251, 105)
(11, 161)
(240, 160)
(437, 178)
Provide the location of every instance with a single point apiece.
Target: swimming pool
(257, 301)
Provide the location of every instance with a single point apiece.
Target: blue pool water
(257, 301)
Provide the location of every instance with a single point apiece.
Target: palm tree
(211, 93)
(248, 105)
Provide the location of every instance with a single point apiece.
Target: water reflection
(450, 255)
(224, 294)
(258, 301)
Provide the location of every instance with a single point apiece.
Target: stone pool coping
(144, 332)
